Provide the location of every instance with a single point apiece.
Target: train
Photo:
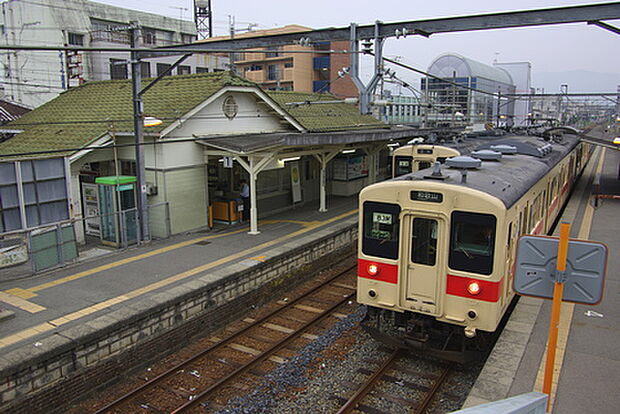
(436, 249)
(416, 157)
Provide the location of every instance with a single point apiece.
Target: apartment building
(34, 77)
(280, 68)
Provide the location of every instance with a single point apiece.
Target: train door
(423, 270)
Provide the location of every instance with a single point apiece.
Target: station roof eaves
(249, 143)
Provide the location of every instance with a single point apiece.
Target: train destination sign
(426, 196)
(382, 218)
(584, 277)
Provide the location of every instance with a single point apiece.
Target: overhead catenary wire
(421, 72)
(170, 50)
(516, 96)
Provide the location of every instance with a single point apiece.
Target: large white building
(521, 74)
(34, 77)
(463, 90)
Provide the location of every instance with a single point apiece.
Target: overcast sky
(549, 49)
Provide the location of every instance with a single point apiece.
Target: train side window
(472, 242)
(424, 241)
(381, 228)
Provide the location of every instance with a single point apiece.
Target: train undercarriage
(424, 334)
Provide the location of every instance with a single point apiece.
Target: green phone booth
(117, 206)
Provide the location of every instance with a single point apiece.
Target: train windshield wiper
(462, 249)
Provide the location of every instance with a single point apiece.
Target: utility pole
(366, 91)
(138, 125)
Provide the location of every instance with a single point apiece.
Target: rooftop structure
(464, 94)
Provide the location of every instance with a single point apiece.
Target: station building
(216, 129)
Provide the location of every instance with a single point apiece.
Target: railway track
(210, 377)
(371, 389)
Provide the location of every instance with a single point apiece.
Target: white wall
(210, 120)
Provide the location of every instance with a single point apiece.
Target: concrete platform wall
(46, 376)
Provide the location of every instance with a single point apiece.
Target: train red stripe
(489, 291)
(386, 272)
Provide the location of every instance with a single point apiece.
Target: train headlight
(474, 288)
(373, 269)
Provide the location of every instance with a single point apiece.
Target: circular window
(230, 107)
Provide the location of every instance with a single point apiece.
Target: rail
(228, 340)
(371, 383)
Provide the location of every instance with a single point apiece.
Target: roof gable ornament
(230, 107)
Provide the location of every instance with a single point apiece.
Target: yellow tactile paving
(567, 308)
(21, 293)
(20, 303)
(29, 333)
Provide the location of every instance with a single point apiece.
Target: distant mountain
(577, 81)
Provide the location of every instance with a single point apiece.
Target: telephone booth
(117, 206)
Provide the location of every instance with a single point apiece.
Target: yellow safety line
(30, 291)
(30, 332)
(567, 309)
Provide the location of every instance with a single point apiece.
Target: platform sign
(583, 278)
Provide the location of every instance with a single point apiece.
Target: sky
(559, 48)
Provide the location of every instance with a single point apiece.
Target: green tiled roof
(81, 115)
(323, 117)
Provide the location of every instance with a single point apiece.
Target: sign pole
(558, 291)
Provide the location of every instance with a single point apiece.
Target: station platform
(52, 295)
(80, 326)
(587, 368)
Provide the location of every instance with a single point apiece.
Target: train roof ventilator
(464, 163)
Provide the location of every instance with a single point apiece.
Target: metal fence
(25, 252)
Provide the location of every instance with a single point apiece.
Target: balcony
(255, 75)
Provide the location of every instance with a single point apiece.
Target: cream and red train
(437, 248)
(412, 158)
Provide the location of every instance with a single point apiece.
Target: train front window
(402, 165)
(424, 241)
(472, 242)
(380, 231)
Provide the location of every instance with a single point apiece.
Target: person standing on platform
(244, 192)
